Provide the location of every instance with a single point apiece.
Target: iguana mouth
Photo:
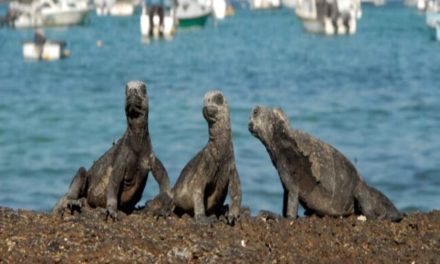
(133, 110)
(210, 113)
(252, 128)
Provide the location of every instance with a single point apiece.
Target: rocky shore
(30, 237)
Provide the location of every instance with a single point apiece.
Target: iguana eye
(255, 112)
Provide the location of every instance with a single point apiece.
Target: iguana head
(215, 107)
(265, 121)
(136, 104)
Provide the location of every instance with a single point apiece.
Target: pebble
(362, 218)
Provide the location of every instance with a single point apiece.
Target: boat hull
(432, 17)
(193, 13)
(437, 32)
(374, 2)
(265, 4)
(60, 19)
(344, 23)
(122, 9)
(219, 9)
(169, 27)
(199, 21)
(51, 50)
(27, 21)
(313, 25)
(288, 3)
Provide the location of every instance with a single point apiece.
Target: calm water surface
(375, 96)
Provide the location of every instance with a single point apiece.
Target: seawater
(375, 96)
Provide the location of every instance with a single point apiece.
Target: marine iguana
(116, 181)
(203, 184)
(314, 173)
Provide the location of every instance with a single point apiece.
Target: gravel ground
(30, 237)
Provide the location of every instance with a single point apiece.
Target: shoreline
(30, 237)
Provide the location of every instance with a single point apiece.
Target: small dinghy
(50, 50)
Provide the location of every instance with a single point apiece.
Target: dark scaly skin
(315, 174)
(203, 184)
(116, 181)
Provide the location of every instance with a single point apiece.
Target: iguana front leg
(290, 203)
(113, 189)
(235, 193)
(201, 179)
(160, 174)
(291, 194)
(75, 196)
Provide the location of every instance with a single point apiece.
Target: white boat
(122, 8)
(265, 4)
(432, 9)
(219, 9)
(328, 17)
(410, 3)
(115, 7)
(288, 3)
(193, 13)
(50, 50)
(421, 5)
(158, 21)
(102, 7)
(48, 13)
(102, 10)
(433, 18)
(437, 29)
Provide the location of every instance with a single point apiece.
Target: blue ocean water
(375, 96)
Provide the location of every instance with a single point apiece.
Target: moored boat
(410, 3)
(421, 5)
(193, 13)
(50, 50)
(437, 29)
(47, 13)
(432, 10)
(288, 3)
(102, 7)
(219, 9)
(433, 18)
(265, 4)
(328, 17)
(122, 8)
(158, 20)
